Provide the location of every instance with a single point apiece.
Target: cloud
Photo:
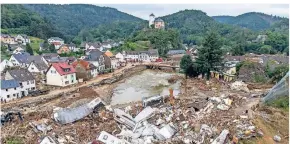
(143, 11)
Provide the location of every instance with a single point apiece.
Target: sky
(143, 11)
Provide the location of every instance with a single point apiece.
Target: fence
(279, 90)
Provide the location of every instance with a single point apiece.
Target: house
(18, 50)
(7, 39)
(48, 56)
(61, 74)
(159, 24)
(10, 90)
(106, 45)
(110, 60)
(37, 67)
(72, 47)
(63, 49)
(5, 64)
(176, 52)
(96, 57)
(55, 39)
(91, 46)
(147, 56)
(85, 70)
(56, 45)
(20, 59)
(120, 57)
(23, 39)
(24, 78)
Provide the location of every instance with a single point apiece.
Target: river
(147, 83)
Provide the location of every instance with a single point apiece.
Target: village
(53, 99)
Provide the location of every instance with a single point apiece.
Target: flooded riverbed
(144, 84)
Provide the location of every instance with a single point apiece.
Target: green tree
(3, 48)
(52, 48)
(266, 49)
(209, 56)
(185, 63)
(29, 49)
(238, 50)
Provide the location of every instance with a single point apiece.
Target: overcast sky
(143, 11)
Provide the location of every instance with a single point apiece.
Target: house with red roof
(85, 70)
(61, 74)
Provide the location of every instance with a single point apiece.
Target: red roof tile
(60, 68)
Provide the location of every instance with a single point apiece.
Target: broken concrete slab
(144, 114)
(167, 131)
(110, 139)
(124, 118)
(69, 115)
(48, 140)
(222, 137)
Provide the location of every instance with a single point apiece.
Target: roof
(21, 75)
(151, 14)
(109, 54)
(84, 63)
(36, 58)
(40, 65)
(6, 84)
(56, 38)
(63, 68)
(49, 55)
(173, 52)
(71, 45)
(22, 58)
(158, 20)
(94, 55)
(57, 59)
(24, 36)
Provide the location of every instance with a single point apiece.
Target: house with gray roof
(25, 79)
(23, 39)
(55, 39)
(147, 56)
(20, 59)
(96, 57)
(10, 90)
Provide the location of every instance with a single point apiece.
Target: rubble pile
(206, 115)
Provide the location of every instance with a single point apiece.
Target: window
(14, 88)
(8, 96)
(32, 82)
(28, 82)
(33, 88)
(72, 76)
(6, 89)
(72, 81)
(32, 68)
(65, 77)
(14, 95)
(66, 82)
(105, 137)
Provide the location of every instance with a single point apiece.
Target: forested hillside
(71, 19)
(16, 19)
(253, 20)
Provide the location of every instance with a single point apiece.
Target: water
(145, 84)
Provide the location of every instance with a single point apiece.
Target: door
(22, 93)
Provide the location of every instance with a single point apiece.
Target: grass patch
(35, 43)
(281, 102)
(14, 140)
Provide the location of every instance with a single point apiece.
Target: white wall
(54, 78)
(94, 72)
(120, 56)
(24, 86)
(14, 61)
(4, 64)
(32, 68)
(13, 93)
(114, 63)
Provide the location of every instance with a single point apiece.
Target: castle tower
(151, 19)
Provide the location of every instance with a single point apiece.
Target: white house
(61, 74)
(24, 39)
(147, 56)
(18, 50)
(10, 90)
(37, 67)
(119, 57)
(96, 58)
(55, 39)
(20, 59)
(5, 64)
(24, 78)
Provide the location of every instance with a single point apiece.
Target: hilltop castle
(157, 23)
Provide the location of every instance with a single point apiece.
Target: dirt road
(64, 90)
